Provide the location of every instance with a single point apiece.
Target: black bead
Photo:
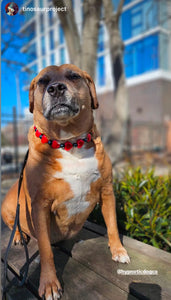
(62, 145)
(85, 140)
(75, 145)
(40, 136)
(50, 142)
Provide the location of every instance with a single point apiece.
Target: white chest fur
(79, 169)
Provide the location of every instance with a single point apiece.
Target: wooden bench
(86, 271)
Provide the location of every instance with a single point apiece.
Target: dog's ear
(31, 95)
(91, 85)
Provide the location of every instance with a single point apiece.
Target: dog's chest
(79, 172)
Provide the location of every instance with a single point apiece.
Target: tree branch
(108, 10)
(120, 6)
(92, 10)
(69, 26)
(8, 61)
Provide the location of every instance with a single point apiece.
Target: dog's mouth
(61, 110)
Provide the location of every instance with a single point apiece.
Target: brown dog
(67, 171)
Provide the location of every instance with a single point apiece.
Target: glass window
(101, 39)
(136, 20)
(128, 1)
(31, 52)
(128, 61)
(34, 68)
(126, 25)
(50, 17)
(101, 71)
(30, 31)
(44, 63)
(142, 56)
(43, 45)
(51, 37)
(52, 59)
(41, 23)
(40, 3)
(62, 55)
(33, 72)
(61, 35)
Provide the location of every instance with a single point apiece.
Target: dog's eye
(73, 76)
(43, 80)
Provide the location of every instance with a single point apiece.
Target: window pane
(32, 54)
(62, 56)
(142, 56)
(101, 71)
(33, 72)
(41, 23)
(30, 31)
(137, 19)
(52, 59)
(101, 39)
(43, 63)
(41, 3)
(51, 37)
(50, 18)
(61, 35)
(43, 45)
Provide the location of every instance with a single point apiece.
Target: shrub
(143, 207)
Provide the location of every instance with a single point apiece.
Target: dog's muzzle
(59, 103)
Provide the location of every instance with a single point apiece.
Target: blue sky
(10, 26)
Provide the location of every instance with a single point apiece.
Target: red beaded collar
(66, 146)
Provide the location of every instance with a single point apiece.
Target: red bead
(88, 137)
(44, 139)
(68, 146)
(38, 133)
(80, 143)
(34, 127)
(55, 145)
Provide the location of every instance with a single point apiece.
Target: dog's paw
(120, 255)
(50, 288)
(17, 238)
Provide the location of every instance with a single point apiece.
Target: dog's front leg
(108, 208)
(49, 284)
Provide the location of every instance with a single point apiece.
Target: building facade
(145, 28)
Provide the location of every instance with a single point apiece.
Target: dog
(67, 172)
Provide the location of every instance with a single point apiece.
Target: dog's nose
(57, 88)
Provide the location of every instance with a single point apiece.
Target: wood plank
(83, 248)
(131, 243)
(78, 280)
(95, 254)
(17, 258)
(95, 228)
(13, 292)
(20, 293)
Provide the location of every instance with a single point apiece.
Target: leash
(16, 224)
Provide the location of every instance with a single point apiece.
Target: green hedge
(143, 207)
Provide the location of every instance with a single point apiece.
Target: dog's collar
(66, 146)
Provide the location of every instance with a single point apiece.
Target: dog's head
(62, 93)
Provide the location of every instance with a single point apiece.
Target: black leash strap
(17, 224)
